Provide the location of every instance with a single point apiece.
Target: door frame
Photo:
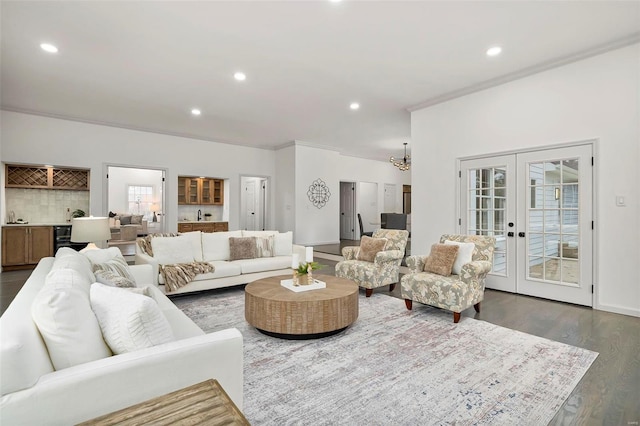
(105, 189)
(595, 143)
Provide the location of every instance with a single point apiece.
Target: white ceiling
(144, 65)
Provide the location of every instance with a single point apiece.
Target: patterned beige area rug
(397, 367)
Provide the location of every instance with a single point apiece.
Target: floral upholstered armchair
(384, 269)
(455, 292)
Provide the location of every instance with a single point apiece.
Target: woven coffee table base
(279, 312)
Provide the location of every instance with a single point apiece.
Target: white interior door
(250, 205)
(389, 198)
(538, 205)
(347, 211)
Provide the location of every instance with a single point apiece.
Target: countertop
(37, 224)
(202, 221)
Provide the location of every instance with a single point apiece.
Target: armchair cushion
(441, 259)
(369, 247)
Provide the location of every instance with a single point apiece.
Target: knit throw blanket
(180, 274)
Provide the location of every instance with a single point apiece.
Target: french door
(538, 205)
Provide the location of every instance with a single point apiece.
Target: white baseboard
(618, 310)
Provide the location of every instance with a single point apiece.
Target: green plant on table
(78, 213)
(303, 267)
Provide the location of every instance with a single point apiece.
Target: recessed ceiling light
(196, 111)
(240, 76)
(49, 48)
(494, 51)
(354, 105)
(335, 1)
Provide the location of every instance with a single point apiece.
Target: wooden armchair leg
(392, 286)
(409, 303)
(456, 317)
(368, 292)
(477, 307)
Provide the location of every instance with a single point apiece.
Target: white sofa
(213, 248)
(34, 393)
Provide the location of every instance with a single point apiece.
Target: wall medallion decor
(319, 193)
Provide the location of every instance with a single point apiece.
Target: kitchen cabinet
(24, 246)
(36, 177)
(200, 191)
(203, 226)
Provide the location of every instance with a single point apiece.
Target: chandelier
(403, 163)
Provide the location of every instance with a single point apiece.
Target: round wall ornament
(318, 193)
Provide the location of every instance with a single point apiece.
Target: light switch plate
(620, 201)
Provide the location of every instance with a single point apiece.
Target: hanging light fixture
(403, 163)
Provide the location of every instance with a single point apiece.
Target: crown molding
(526, 72)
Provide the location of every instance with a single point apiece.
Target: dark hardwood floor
(609, 393)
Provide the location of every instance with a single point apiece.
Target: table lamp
(90, 230)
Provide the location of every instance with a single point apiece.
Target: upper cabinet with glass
(198, 190)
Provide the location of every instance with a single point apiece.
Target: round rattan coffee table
(280, 312)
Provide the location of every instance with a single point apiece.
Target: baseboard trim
(618, 310)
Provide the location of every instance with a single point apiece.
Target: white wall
(43, 140)
(597, 98)
(285, 190)
(367, 205)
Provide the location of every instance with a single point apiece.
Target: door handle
(521, 234)
(510, 234)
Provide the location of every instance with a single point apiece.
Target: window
(140, 199)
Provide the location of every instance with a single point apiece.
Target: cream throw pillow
(62, 312)
(283, 242)
(265, 246)
(172, 250)
(465, 255)
(129, 321)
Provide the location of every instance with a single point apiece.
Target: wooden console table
(204, 403)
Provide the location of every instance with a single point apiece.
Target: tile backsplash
(44, 205)
(191, 212)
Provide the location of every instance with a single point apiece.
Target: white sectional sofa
(35, 392)
(213, 248)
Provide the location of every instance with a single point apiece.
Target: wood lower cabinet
(204, 227)
(24, 246)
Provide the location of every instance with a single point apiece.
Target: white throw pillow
(172, 250)
(283, 242)
(258, 233)
(215, 245)
(195, 237)
(68, 258)
(465, 255)
(102, 255)
(129, 321)
(63, 314)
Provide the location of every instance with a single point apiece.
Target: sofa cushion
(63, 314)
(261, 264)
(195, 238)
(222, 269)
(215, 245)
(129, 321)
(125, 220)
(265, 246)
(283, 243)
(118, 265)
(68, 258)
(464, 256)
(242, 248)
(136, 219)
(172, 250)
(441, 259)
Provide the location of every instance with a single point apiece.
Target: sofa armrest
(89, 390)
(474, 270)
(300, 251)
(143, 274)
(416, 263)
(143, 226)
(350, 253)
(144, 259)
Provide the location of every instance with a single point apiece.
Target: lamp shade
(90, 229)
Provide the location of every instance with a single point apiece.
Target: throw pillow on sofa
(441, 259)
(136, 219)
(464, 256)
(125, 220)
(265, 246)
(62, 312)
(113, 279)
(68, 258)
(195, 238)
(283, 243)
(215, 245)
(242, 248)
(129, 321)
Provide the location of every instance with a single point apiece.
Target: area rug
(397, 367)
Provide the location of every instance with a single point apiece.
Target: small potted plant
(78, 213)
(207, 217)
(306, 269)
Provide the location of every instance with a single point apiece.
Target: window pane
(570, 196)
(536, 173)
(552, 220)
(570, 171)
(500, 178)
(536, 267)
(552, 270)
(552, 172)
(536, 244)
(570, 271)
